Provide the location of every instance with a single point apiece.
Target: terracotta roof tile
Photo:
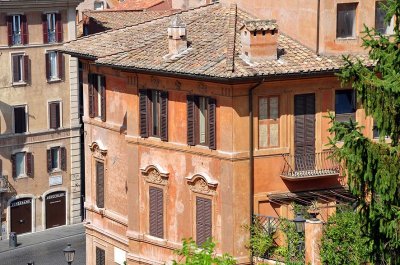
(137, 4)
(213, 32)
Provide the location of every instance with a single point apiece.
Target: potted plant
(313, 210)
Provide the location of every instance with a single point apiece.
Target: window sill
(20, 84)
(346, 39)
(271, 151)
(23, 176)
(54, 80)
(55, 129)
(156, 240)
(55, 171)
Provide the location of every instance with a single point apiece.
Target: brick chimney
(259, 40)
(177, 41)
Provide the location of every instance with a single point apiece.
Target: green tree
(204, 255)
(342, 241)
(373, 168)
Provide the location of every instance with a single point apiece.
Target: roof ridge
(231, 38)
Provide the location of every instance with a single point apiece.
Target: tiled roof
(253, 25)
(137, 4)
(213, 32)
(110, 19)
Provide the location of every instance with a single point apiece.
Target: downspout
(318, 24)
(251, 154)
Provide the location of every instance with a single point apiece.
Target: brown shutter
(100, 256)
(59, 29)
(100, 184)
(143, 113)
(63, 152)
(190, 120)
(156, 212)
(9, 30)
(164, 116)
(95, 95)
(203, 220)
(16, 69)
(47, 58)
(103, 98)
(26, 69)
(49, 166)
(29, 164)
(211, 123)
(24, 30)
(14, 168)
(91, 96)
(61, 68)
(53, 115)
(45, 29)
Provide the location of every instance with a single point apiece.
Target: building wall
(36, 94)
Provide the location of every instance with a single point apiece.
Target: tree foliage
(373, 168)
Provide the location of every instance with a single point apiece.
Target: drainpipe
(251, 154)
(318, 22)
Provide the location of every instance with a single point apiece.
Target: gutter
(318, 25)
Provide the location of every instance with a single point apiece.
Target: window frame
(97, 96)
(268, 121)
(345, 114)
(14, 34)
(389, 29)
(23, 164)
(58, 150)
(51, 21)
(338, 21)
(96, 162)
(49, 113)
(98, 8)
(25, 106)
(23, 68)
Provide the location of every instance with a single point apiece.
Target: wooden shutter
(91, 96)
(16, 69)
(211, 123)
(63, 153)
(103, 98)
(24, 30)
(9, 30)
(14, 166)
(190, 120)
(29, 164)
(164, 116)
(61, 63)
(59, 29)
(156, 212)
(53, 115)
(100, 184)
(49, 164)
(45, 29)
(47, 58)
(95, 95)
(143, 113)
(100, 256)
(26, 68)
(203, 220)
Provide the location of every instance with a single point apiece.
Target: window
(345, 105)
(203, 220)
(100, 256)
(201, 115)
(156, 212)
(98, 5)
(17, 30)
(268, 122)
(346, 20)
(56, 159)
(20, 66)
(20, 123)
(52, 28)
(380, 25)
(97, 96)
(100, 184)
(54, 115)
(22, 164)
(153, 113)
(54, 66)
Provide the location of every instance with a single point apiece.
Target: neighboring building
(198, 121)
(94, 5)
(144, 5)
(40, 163)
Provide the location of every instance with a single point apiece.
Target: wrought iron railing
(269, 223)
(310, 165)
(4, 184)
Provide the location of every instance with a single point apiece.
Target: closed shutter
(63, 152)
(103, 98)
(61, 68)
(143, 113)
(14, 166)
(211, 123)
(49, 164)
(203, 220)
(47, 58)
(164, 116)
(100, 184)
(100, 256)
(190, 120)
(26, 68)
(156, 212)
(59, 29)
(9, 30)
(54, 109)
(45, 29)
(24, 30)
(29, 164)
(16, 69)
(91, 95)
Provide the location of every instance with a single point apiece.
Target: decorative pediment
(155, 174)
(202, 183)
(98, 150)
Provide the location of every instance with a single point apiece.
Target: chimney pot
(177, 42)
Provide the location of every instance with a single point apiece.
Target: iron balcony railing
(268, 223)
(4, 184)
(309, 165)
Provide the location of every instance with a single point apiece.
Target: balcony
(4, 184)
(307, 166)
